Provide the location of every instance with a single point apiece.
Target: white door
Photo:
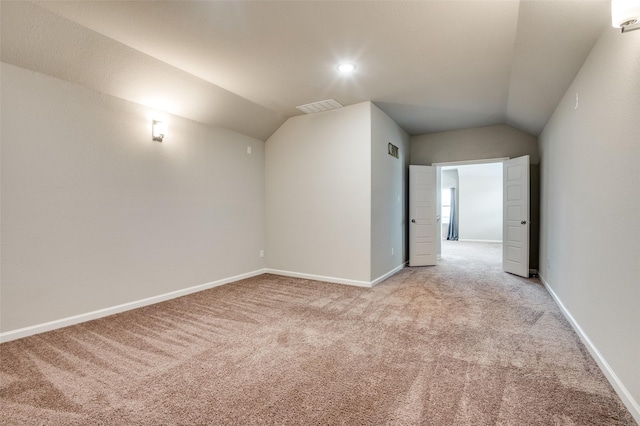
(422, 215)
(515, 236)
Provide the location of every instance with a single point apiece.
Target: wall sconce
(625, 14)
(158, 130)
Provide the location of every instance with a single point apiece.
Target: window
(446, 205)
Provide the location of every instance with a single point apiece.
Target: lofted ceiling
(430, 65)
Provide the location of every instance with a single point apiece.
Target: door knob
(523, 222)
(413, 221)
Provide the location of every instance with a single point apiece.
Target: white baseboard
(387, 275)
(631, 404)
(319, 278)
(367, 284)
(76, 319)
(466, 240)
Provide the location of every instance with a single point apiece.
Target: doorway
(470, 205)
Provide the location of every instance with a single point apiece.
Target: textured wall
(590, 203)
(95, 214)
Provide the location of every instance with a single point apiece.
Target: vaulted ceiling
(430, 65)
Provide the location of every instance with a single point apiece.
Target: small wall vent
(319, 106)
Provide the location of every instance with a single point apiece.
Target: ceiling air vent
(319, 106)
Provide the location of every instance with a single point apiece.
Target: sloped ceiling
(431, 65)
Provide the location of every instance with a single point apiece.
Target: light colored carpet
(461, 343)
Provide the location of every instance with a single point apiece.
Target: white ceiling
(430, 65)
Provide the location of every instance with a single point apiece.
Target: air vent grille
(319, 106)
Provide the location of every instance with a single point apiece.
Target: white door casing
(438, 212)
(516, 218)
(422, 215)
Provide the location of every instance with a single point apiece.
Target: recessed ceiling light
(346, 67)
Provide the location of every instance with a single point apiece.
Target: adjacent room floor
(459, 253)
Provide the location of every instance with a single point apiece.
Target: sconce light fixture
(158, 130)
(625, 14)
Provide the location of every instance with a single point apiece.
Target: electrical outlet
(548, 263)
(249, 150)
(392, 249)
(261, 253)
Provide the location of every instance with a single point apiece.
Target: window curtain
(453, 218)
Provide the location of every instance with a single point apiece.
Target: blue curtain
(453, 218)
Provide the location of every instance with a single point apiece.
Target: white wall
(590, 210)
(96, 214)
(473, 144)
(480, 208)
(318, 191)
(389, 187)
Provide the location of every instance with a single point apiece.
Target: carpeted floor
(458, 344)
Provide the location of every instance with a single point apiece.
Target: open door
(515, 236)
(422, 215)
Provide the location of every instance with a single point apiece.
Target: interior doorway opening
(470, 204)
